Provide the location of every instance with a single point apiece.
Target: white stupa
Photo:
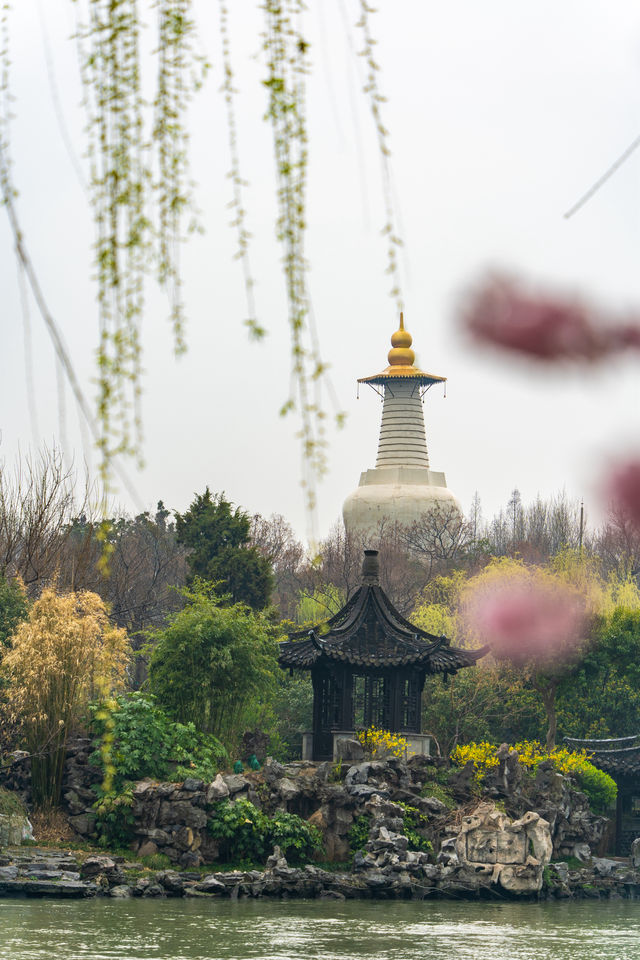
(402, 487)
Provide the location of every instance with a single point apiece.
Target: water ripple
(321, 930)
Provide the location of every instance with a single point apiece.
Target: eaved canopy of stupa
(369, 632)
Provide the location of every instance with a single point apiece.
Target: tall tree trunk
(547, 687)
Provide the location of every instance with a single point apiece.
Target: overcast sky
(501, 115)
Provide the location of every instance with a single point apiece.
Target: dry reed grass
(50, 825)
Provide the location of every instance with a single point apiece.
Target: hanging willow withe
(287, 65)
(119, 183)
(6, 186)
(140, 191)
(141, 194)
(376, 99)
(181, 71)
(236, 204)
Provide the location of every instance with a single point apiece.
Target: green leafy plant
(336, 774)
(14, 608)
(297, 839)
(600, 788)
(244, 832)
(359, 832)
(10, 803)
(114, 818)
(155, 861)
(413, 821)
(147, 743)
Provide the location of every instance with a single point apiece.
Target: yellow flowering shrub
(483, 756)
(380, 743)
(599, 787)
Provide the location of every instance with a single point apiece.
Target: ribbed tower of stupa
(401, 488)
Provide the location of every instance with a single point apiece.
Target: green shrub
(434, 789)
(156, 861)
(600, 788)
(114, 818)
(147, 743)
(297, 839)
(413, 821)
(246, 833)
(359, 832)
(240, 828)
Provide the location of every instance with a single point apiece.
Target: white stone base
(418, 743)
(397, 495)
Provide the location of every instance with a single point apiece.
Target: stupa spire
(401, 487)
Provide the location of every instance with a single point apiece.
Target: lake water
(292, 930)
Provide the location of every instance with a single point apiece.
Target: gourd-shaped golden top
(401, 362)
(401, 354)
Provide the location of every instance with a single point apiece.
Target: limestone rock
(122, 892)
(433, 805)
(236, 782)
(318, 819)
(217, 789)
(14, 829)
(357, 774)
(276, 860)
(84, 824)
(153, 890)
(171, 881)
(582, 852)
(147, 849)
(562, 871)
(191, 859)
(605, 867)
(93, 866)
(191, 785)
(288, 789)
(272, 770)
(181, 812)
(517, 851)
(210, 885)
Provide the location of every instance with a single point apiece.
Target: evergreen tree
(219, 538)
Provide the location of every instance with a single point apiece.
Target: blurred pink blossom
(623, 490)
(543, 326)
(527, 619)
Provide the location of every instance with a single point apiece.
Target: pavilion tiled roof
(369, 632)
(610, 755)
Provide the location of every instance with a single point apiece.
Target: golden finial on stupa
(401, 354)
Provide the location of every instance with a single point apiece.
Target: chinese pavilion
(368, 667)
(620, 758)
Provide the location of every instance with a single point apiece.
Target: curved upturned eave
(404, 644)
(305, 654)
